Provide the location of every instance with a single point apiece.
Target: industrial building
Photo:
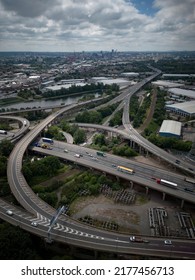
(185, 109)
(166, 84)
(182, 92)
(170, 128)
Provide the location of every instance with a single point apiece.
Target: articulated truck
(166, 183)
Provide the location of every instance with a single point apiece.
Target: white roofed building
(182, 92)
(170, 128)
(184, 109)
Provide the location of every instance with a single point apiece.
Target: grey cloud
(28, 8)
(96, 24)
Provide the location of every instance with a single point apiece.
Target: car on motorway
(168, 242)
(66, 151)
(94, 158)
(113, 165)
(34, 224)
(77, 155)
(9, 212)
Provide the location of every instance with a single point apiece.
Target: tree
(15, 244)
(6, 147)
(3, 165)
(99, 139)
(79, 136)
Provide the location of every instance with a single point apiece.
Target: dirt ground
(130, 218)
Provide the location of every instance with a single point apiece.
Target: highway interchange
(72, 232)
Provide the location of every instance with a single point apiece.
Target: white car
(34, 224)
(9, 212)
(168, 242)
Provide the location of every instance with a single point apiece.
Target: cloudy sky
(94, 25)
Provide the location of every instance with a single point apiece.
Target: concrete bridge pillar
(164, 195)
(131, 184)
(147, 189)
(182, 203)
(146, 153)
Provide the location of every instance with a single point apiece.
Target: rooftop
(188, 107)
(169, 126)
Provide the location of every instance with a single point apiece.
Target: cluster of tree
(89, 117)
(134, 107)
(85, 181)
(100, 142)
(36, 115)
(16, 244)
(95, 116)
(5, 149)
(47, 166)
(75, 89)
(158, 116)
(116, 119)
(141, 112)
(170, 143)
(160, 112)
(26, 94)
(124, 151)
(54, 132)
(183, 65)
(79, 135)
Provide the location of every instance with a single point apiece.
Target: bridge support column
(147, 189)
(164, 195)
(131, 184)
(146, 153)
(130, 143)
(117, 178)
(182, 203)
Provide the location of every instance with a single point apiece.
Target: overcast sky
(95, 25)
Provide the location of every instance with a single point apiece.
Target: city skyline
(72, 25)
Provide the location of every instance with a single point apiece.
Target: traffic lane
(135, 177)
(143, 171)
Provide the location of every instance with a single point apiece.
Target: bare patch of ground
(131, 219)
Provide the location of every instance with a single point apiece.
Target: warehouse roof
(172, 127)
(184, 92)
(166, 84)
(188, 107)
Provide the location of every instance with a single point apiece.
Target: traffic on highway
(38, 214)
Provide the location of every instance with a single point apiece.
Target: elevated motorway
(68, 230)
(23, 129)
(73, 233)
(143, 175)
